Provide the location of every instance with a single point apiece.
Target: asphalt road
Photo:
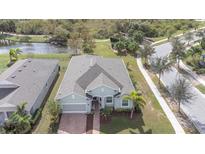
(195, 109)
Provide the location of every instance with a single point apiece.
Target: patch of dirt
(183, 119)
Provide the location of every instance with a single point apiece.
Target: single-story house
(90, 79)
(27, 81)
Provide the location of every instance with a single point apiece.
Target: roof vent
(19, 70)
(13, 76)
(29, 60)
(34, 70)
(24, 65)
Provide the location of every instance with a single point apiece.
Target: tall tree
(178, 51)
(180, 92)
(60, 36)
(170, 32)
(132, 46)
(188, 37)
(88, 41)
(137, 99)
(138, 36)
(120, 46)
(75, 42)
(146, 51)
(160, 65)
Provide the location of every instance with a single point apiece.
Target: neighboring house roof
(87, 72)
(24, 81)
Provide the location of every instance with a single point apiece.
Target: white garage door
(74, 108)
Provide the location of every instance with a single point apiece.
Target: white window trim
(125, 106)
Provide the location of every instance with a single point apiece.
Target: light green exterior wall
(73, 101)
(103, 91)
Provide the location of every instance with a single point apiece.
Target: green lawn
(201, 88)
(43, 125)
(153, 119)
(33, 38)
(4, 59)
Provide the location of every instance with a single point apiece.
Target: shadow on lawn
(121, 123)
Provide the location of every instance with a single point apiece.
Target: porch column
(5, 115)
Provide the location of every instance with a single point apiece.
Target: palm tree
(160, 65)
(178, 51)
(75, 42)
(180, 92)
(188, 37)
(13, 54)
(137, 99)
(19, 121)
(147, 51)
(195, 50)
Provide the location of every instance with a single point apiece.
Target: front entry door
(96, 100)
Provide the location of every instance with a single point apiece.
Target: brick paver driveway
(72, 123)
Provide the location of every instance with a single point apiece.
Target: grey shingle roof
(86, 72)
(30, 75)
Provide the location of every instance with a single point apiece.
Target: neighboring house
(28, 81)
(93, 79)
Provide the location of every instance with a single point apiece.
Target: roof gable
(96, 75)
(102, 79)
(7, 84)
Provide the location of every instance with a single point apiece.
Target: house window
(125, 103)
(109, 99)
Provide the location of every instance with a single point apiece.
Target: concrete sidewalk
(177, 127)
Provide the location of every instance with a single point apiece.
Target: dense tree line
(129, 31)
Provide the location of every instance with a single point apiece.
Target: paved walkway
(177, 127)
(96, 119)
(72, 123)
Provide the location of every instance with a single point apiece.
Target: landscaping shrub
(200, 71)
(106, 113)
(36, 116)
(122, 110)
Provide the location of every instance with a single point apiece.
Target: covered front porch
(102, 101)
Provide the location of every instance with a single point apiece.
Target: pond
(39, 48)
